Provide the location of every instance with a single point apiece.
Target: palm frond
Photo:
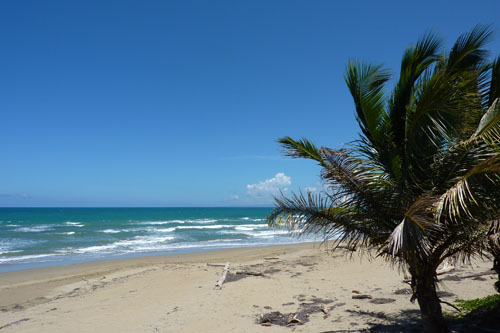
(409, 239)
(454, 162)
(467, 51)
(362, 182)
(445, 113)
(302, 148)
(458, 201)
(489, 126)
(494, 88)
(319, 215)
(415, 61)
(366, 82)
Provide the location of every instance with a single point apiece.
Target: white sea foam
(127, 245)
(162, 222)
(67, 233)
(230, 240)
(15, 243)
(250, 227)
(96, 248)
(74, 224)
(268, 233)
(254, 225)
(24, 258)
(37, 228)
(201, 221)
(241, 228)
(251, 219)
(3, 251)
(111, 231)
(217, 226)
(163, 229)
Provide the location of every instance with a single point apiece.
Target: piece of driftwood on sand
(219, 283)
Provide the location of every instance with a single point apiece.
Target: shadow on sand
(409, 321)
(405, 321)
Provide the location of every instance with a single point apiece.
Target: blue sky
(179, 103)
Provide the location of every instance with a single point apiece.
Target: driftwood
(219, 283)
(325, 311)
(294, 320)
(461, 277)
(271, 258)
(250, 273)
(445, 270)
(447, 267)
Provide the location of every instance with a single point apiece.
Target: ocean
(39, 237)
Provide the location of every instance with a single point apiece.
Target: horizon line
(136, 207)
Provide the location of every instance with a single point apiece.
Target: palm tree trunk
(496, 268)
(430, 306)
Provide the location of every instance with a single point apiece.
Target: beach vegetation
(421, 184)
(487, 303)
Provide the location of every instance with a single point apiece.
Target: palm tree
(492, 239)
(423, 178)
(493, 234)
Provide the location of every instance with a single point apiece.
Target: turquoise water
(37, 237)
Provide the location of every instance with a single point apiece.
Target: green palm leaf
(302, 148)
(467, 51)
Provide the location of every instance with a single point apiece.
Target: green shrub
(486, 303)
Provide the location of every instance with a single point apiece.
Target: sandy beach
(175, 293)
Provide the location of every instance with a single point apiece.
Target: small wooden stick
(219, 283)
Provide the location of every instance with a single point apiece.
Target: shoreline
(176, 292)
(66, 260)
(62, 274)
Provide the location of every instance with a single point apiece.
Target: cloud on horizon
(270, 186)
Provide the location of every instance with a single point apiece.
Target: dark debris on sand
(452, 278)
(275, 318)
(301, 316)
(382, 300)
(230, 277)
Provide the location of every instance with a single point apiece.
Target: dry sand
(176, 293)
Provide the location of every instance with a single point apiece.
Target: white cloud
(270, 186)
(311, 189)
